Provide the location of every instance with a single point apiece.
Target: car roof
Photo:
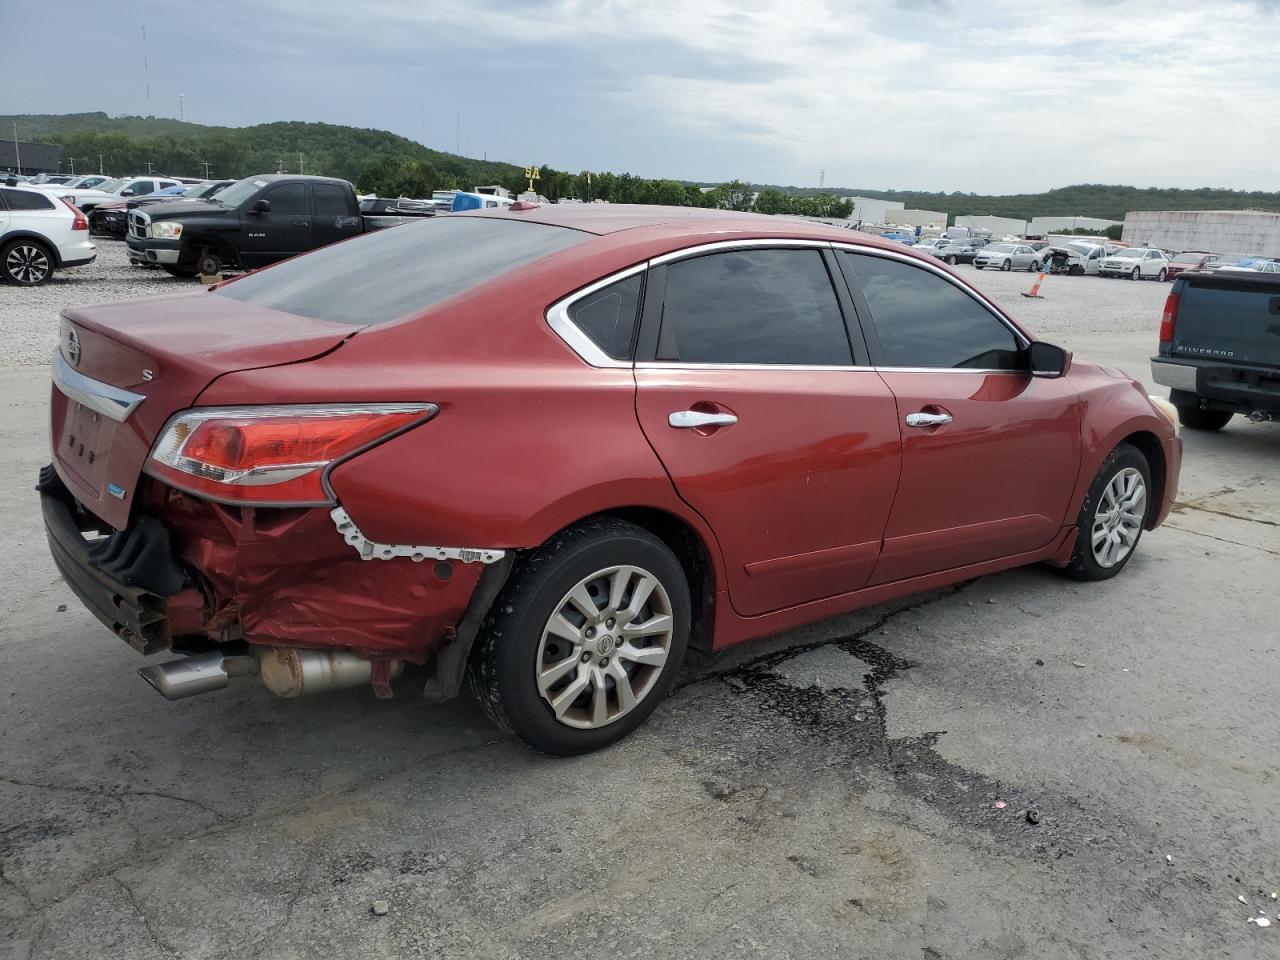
(674, 222)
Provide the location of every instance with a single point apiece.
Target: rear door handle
(927, 419)
(692, 419)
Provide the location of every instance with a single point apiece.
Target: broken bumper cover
(124, 578)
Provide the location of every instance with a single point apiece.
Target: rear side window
(400, 270)
(923, 320)
(753, 306)
(608, 316)
(26, 200)
(332, 200)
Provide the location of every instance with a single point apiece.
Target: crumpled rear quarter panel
(295, 582)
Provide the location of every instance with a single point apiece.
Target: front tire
(585, 640)
(1111, 518)
(25, 262)
(208, 264)
(1193, 418)
(1006, 266)
(1136, 274)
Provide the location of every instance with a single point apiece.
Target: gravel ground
(1074, 305)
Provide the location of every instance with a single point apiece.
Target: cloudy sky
(970, 95)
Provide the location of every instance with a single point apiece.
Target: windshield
(241, 190)
(1082, 248)
(1188, 258)
(401, 270)
(1130, 254)
(999, 248)
(109, 186)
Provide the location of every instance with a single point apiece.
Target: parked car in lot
(956, 251)
(389, 451)
(1220, 347)
(112, 219)
(87, 182)
(1076, 258)
(1251, 265)
(398, 206)
(114, 190)
(39, 233)
(1226, 259)
(1007, 256)
(1136, 263)
(1190, 260)
(252, 223)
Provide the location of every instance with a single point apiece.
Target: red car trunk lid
(166, 350)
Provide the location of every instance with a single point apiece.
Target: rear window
(400, 270)
(26, 200)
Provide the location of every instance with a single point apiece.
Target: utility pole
(206, 168)
(100, 165)
(280, 166)
(300, 162)
(146, 68)
(182, 107)
(148, 168)
(72, 161)
(822, 179)
(17, 154)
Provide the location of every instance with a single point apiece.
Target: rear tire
(1193, 418)
(1035, 267)
(539, 645)
(1109, 525)
(1163, 275)
(25, 262)
(951, 259)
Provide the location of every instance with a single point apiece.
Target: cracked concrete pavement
(858, 788)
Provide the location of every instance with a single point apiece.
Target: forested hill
(1108, 201)
(392, 165)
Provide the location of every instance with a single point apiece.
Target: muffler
(290, 672)
(285, 671)
(202, 673)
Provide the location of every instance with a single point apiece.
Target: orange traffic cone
(1035, 288)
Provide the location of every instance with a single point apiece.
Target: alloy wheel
(605, 646)
(1117, 521)
(27, 264)
(1137, 274)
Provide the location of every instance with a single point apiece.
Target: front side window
(753, 306)
(608, 316)
(142, 187)
(288, 198)
(923, 320)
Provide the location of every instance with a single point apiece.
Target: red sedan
(547, 448)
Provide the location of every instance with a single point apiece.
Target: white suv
(1136, 263)
(40, 233)
(112, 191)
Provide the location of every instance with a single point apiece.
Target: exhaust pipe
(291, 672)
(285, 671)
(202, 673)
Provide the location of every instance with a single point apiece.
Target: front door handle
(692, 419)
(927, 419)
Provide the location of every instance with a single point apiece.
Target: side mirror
(1048, 361)
(127, 192)
(262, 206)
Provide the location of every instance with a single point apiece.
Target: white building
(871, 210)
(918, 218)
(995, 226)
(1043, 226)
(1215, 231)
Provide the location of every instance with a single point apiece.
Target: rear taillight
(1169, 318)
(272, 456)
(80, 222)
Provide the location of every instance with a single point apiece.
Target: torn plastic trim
(369, 550)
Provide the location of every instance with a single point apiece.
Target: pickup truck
(1220, 347)
(252, 223)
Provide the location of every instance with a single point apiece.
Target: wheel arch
(1149, 445)
(32, 235)
(223, 246)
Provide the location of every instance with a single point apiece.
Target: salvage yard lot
(859, 788)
